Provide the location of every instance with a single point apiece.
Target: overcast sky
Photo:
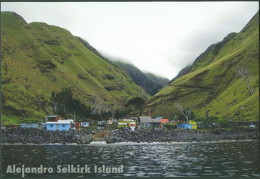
(157, 37)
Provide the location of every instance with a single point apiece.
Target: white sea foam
(98, 143)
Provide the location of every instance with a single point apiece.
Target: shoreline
(182, 135)
(133, 143)
(42, 137)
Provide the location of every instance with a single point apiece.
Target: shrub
(170, 126)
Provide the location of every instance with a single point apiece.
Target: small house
(110, 121)
(252, 125)
(77, 125)
(163, 121)
(101, 125)
(158, 122)
(184, 126)
(155, 123)
(193, 123)
(53, 118)
(133, 125)
(84, 124)
(126, 123)
(61, 125)
(30, 125)
(12, 126)
(145, 121)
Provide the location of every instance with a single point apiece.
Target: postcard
(130, 89)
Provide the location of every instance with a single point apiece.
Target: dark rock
(178, 136)
(40, 136)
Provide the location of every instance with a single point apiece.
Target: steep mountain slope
(212, 53)
(39, 60)
(149, 82)
(183, 72)
(213, 84)
(206, 57)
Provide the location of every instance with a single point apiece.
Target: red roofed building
(163, 121)
(78, 124)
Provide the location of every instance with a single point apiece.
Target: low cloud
(158, 37)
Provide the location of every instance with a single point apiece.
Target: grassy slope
(38, 59)
(213, 83)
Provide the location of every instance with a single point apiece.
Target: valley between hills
(46, 70)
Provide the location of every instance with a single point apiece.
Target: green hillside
(40, 61)
(149, 82)
(213, 83)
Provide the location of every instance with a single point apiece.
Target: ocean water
(228, 159)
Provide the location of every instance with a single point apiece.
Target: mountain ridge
(213, 84)
(40, 59)
(148, 81)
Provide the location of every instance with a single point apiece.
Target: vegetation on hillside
(46, 70)
(213, 86)
(183, 72)
(149, 82)
(40, 61)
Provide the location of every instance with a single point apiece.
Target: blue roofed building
(184, 126)
(60, 125)
(30, 125)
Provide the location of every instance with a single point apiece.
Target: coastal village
(59, 123)
(56, 129)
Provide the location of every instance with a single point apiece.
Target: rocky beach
(41, 136)
(181, 135)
